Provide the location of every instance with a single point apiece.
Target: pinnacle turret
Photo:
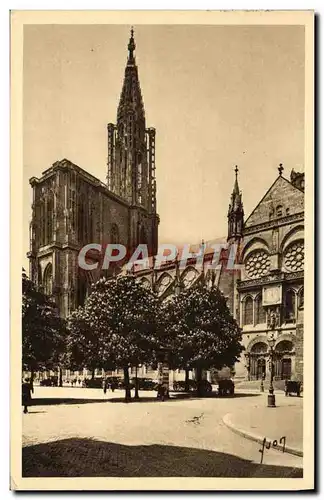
(235, 211)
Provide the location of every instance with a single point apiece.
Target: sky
(218, 96)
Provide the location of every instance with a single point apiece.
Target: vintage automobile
(226, 387)
(180, 385)
(144, 384)
(92, 383)
(293, 387)
(49, 382)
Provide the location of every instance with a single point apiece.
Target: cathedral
(264, 289)
(72, 208)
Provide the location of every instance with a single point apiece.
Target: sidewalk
(271, 423)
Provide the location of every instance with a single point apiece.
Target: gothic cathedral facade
(264, 290)
(71, 208)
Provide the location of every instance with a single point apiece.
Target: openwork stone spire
(131, 101)
(131, 146)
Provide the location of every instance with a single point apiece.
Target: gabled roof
(281, 193)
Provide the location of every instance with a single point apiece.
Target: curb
(259, 439)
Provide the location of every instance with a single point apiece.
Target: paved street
(82, 432)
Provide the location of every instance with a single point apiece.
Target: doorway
(261, 368)
(286, 369)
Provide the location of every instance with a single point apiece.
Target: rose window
(257, 264)
(294, 256)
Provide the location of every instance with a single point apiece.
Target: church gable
(281, 200)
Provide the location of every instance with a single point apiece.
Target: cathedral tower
(131, 158)
(72, 208)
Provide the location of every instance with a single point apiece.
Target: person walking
(26, 394)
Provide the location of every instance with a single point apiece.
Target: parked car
(49, 382)
(180, 385)
(226, 387)
(206, 386)
(293, 386)
(121, 384)
(144, 384)
(115, 381)
(93, 383)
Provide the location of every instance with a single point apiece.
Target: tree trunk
(32, 375)
(128, 395)
(136, 385)
(187, 388)
(92, 374)
(60, 380)
(198, 381)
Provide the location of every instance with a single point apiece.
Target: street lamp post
(271, 396)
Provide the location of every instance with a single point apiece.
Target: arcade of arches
(258, 360)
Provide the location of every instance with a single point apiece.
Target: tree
(116, 326)
(200, 331)
(43, 330)
(83, 344)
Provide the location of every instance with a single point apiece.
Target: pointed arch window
(92, 221)
(83, 219)
(49, 217)
(42, 222)
(142, 237)
(72, 207)
(260, 312)
(290, 306)
(48, 280)
(248, 311)
(301, 298)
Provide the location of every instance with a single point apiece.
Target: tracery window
(248, 311)
(257, 264)
(260, 313)
(301, 298)
(49, 218)
(290, 306)
(82, 219)
(48, 280)
(294, 256)
(42, 222)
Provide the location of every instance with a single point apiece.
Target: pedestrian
(104, 385)
(161, 392)
(26, 394)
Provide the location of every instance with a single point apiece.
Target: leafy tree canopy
(43, 330)
(116, 326)
(200, 330)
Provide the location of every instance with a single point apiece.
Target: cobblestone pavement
(89, 434)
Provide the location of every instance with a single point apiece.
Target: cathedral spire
(131, 48)
(235, 211)
(131, 157)
(131, 102)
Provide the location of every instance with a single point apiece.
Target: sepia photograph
(162, 227)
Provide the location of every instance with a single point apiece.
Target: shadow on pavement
(121, 399)
(78, 457)
(63, 401)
